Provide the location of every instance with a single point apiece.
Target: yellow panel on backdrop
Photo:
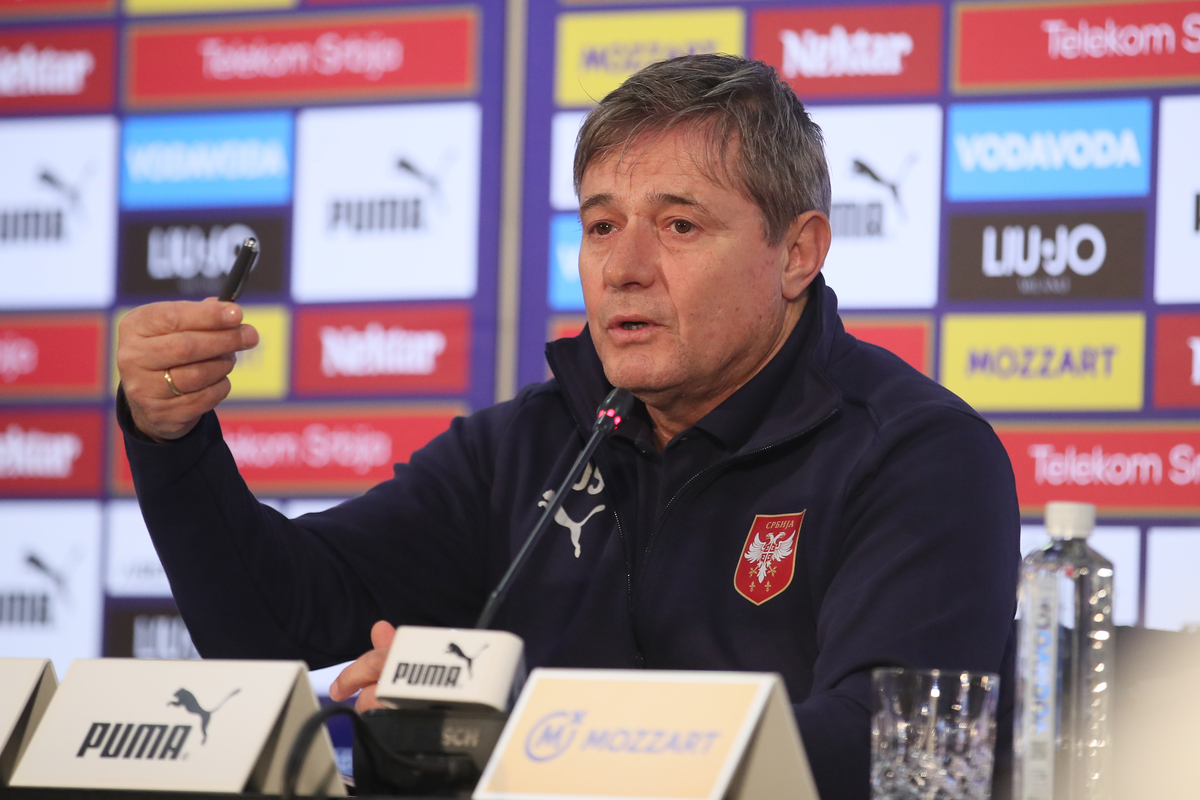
(599, 50)
(201, 6)
(262, 373)
(1045, 362)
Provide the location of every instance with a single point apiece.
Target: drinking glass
(933, 734)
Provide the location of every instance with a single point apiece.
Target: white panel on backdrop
(133, 568)
(885, 167)
(58, 212)
(386, 203)
(1172, 590)
(1120, 545)
(1177, 247)
(50, 596)
(563, 130)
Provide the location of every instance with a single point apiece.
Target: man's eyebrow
(601, 199)
(668, 199)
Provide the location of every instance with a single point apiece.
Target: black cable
(416, 771)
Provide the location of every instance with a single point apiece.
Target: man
(704, 198)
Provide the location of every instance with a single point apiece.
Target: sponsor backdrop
(1016, 213)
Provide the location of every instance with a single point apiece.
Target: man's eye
(602, 228)
(682, 226)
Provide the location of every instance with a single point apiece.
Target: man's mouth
(634, 326)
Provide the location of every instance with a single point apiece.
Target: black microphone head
(615, 407)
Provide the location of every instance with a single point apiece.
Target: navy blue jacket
(907, 553)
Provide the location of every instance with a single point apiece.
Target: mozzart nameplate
(28, 683)
(601, 734)
(212, 726)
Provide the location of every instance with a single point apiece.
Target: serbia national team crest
(768, 560)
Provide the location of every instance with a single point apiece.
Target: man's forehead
(672, 162)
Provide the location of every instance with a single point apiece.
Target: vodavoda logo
(390, 209)
(50, 595)
(1177, 228)
(191, 256)
(1047, 256)
(1017, 151)
(855, 50)
(57, 68)
(57, 216)
(885, 211)
(207, 160)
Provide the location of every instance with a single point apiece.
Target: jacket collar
(799, 397)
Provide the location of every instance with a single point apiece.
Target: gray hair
(780, 156)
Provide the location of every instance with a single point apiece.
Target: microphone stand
(615, 406)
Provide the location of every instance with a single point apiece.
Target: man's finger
(362, 673)
(382, 634)
(191, 378)
(174, 316)
(367, 700)
(190, 347)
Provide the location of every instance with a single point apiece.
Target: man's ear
(807, 241)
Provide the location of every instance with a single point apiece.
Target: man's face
(683, 292)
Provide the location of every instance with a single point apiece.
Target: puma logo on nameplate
(204, 726)
(450, 665)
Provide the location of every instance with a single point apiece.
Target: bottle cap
(1070, 520)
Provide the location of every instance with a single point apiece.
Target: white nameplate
(28, 683)
(211, 726)
(450, 665)
(602, 734)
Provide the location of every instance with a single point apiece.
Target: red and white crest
(768, 560)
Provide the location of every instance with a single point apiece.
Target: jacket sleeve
(926, 577)
(251, 583)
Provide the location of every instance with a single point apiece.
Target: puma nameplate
(609, 734)
(28, 683)
(202, 726)
(461, 666)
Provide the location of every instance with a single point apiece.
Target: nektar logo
(37, 454)
(1014, 151)
(376, 350)
(837, 54)
(33, 72)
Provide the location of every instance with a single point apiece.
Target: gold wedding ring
(171, 383)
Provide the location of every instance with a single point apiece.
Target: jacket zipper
(682, 489)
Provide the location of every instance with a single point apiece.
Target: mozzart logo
(597, 51)
(856, 50)
(1047, 256)
(149, 740)
(192, 258)
(1046, 361)
(207, 160)
(560, 731)
(1042, 150)
(1085, 44)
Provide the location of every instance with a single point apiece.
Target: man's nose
(633, 261)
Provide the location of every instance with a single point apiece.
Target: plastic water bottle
(1063, 737)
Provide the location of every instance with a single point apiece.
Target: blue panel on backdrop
(565, 290)
(1026, 151)
(206, 160)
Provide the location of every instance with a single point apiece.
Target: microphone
(615, 407)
